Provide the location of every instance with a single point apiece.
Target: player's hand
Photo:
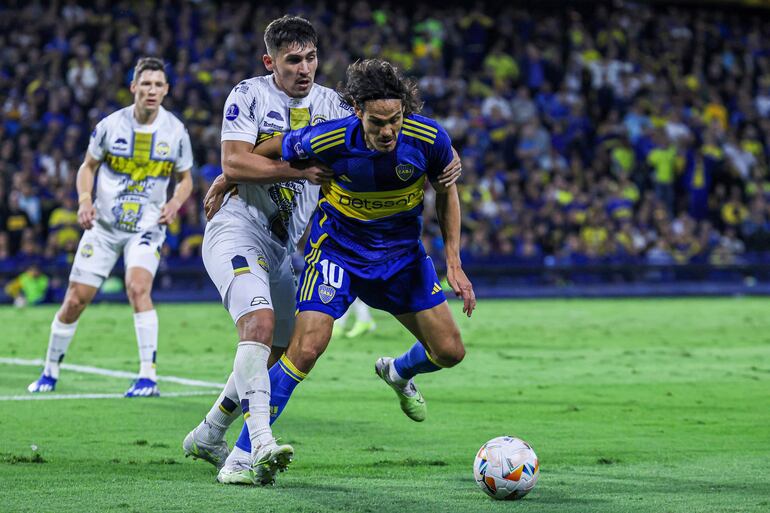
(462, 287)
(168, 212)
(86, 214)
(215, 196)
(314, 171)
(452, 172)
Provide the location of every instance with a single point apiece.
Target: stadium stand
(592, 144)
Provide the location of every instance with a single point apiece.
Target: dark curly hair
(376, 79)
(289, 30)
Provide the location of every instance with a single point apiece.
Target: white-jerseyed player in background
(135, 151)
(363, 324)
(249, 241)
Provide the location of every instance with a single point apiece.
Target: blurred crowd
(629, 133)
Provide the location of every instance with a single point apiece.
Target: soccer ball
(506, 468)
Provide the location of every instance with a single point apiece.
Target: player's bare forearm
(84, 182)
(448, 214)
(183, 187)
(241, 165)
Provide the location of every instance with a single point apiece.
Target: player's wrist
(84, 197)
(453, 261)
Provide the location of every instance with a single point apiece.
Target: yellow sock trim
(292, 368)
(434, 362)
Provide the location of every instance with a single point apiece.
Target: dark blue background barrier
(191, 283)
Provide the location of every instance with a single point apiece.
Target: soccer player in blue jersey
(365, 236)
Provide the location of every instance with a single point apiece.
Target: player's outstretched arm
(311, 170)
(244, 163)
(85, 184)
(182, 191)
(448, 213)
(240, 165)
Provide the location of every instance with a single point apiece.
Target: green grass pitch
(653, 405)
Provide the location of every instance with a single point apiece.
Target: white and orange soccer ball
(506, 468)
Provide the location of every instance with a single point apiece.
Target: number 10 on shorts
(332, 273)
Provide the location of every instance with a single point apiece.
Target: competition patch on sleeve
(231, 114)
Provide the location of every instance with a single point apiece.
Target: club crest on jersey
(326, 292)
(275, 115)
(87, 250)
(318, 119)
(404, 171)
(232, 112)
(162, 149)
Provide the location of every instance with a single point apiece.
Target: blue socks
(414, 361)
(284, 378)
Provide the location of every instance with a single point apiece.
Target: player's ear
(132, 87)
(359, 112)
(268, 62)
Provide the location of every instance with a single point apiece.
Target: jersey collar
(293, 103)
(152, 126)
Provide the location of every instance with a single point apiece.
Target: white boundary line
(55, 396)
(85, 369)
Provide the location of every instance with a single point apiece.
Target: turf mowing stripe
(85, 369)
(55, 396)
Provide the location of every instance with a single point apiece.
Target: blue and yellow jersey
(373, 206)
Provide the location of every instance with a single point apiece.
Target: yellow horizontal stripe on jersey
(327, 134)
(265, 136)
(368, 206)
(139, 170)
(338, 137)
(417, 124)
(323, 148)
(430, 135)
(417, 136)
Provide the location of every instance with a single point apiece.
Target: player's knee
(72, 307)
(257, 326)
(308, 351)
(451, 353)
(137, 290)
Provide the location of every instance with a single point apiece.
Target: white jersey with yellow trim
(136, 165)
(255, 111)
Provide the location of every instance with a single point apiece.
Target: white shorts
(101, 246)
(250, 268)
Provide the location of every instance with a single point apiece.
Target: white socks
(253, 385)
(146, 325)
(361, 311)
(222, 414)
(58, 342)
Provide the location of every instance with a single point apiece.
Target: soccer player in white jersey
(135, 151)
(248, 243)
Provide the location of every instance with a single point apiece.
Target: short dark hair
(151, 64)
(288, 30)
(376, 79)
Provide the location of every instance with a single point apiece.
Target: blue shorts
(332, 280)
